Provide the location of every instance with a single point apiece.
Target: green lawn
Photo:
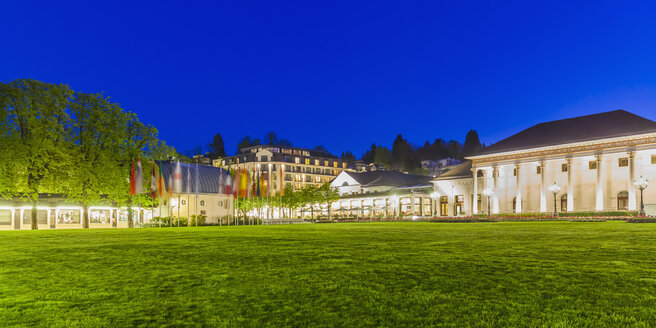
(544, 274)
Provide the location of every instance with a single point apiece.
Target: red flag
(132, 184)
(235, 184)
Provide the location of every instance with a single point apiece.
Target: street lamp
(641, 183)
(488, 192)
(554, 188)
(434, 196)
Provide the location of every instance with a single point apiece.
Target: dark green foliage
(246, 142)
(514, 274)
(472, 144)
(216, 147)
(349, 158)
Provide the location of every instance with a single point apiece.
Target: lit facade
(299, 166)
(593, 159)
(383, 194)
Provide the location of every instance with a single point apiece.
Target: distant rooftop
(287, 150)
(389, 178)
(613, 124)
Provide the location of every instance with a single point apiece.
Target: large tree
(216, 147)
(108, 139)
(472, 144)
(34, 140)
(246, 142)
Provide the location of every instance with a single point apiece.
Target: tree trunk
(130, 219)
(85, 216)
(33, 220)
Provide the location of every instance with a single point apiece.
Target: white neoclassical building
(594, 159)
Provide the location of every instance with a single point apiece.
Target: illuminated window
(325, 163)
(344, 165)
(307, 161)
(592, 165)
(297, 160)
(623, 162)
(316, 162)
(334, 164)
(563, 167)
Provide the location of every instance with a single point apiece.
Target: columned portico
(629, 186)
(495, 196)
(518, 195)
(543, 196)
(570, 186)
(599, 190)
(475, 196)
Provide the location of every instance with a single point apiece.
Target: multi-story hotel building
(590, 162)
(300, 166)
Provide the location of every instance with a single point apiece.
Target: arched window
(563, 203)
(623, 201)
(345, 184)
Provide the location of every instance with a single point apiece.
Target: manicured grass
(544, 274)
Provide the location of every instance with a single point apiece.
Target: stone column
(599, 193)
(475, 199)
(518, 196)
(543, 196)
(17, 224)
(421, 206)
(495, 197)
(630, 188)
(53, 218)
(570, 187)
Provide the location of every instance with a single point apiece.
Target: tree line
(57, 141)
(310, 198)
(402, 157)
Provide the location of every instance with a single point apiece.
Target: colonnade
(492, 176)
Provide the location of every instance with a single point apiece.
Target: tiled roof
(208, 176)
(613, 124)
(462, 170)
(388, 178)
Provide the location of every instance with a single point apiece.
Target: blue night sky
(342, 74)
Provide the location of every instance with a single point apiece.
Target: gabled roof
(208, 177)
(459, 171)
(613, 124)
(388, 178)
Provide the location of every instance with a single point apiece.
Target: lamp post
(554, 188)
(641, 183)
(488, 192)
(434, 196)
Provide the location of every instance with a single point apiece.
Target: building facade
(299, 167)
(199, 194)
(383, 194)
(591, 161)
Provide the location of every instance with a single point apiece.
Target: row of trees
(405, 157)
(309, 198)
(55, 140)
